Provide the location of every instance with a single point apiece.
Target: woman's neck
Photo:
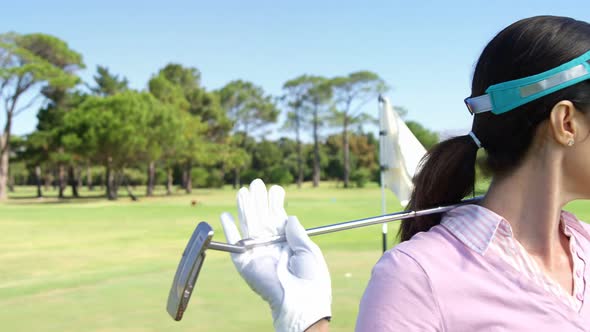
(531, 199)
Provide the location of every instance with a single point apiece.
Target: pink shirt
(469, 274)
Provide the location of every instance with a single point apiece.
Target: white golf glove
(291, 276)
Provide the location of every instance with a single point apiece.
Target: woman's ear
(563, 122)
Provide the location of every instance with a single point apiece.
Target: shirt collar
(476, 226)
(473, 225)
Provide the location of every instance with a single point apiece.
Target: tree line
(176, 132)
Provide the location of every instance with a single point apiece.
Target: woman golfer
(514, 262)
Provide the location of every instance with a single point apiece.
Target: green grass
(94, 265)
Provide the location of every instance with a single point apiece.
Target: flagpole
(382, 133)
(400, 153)
(384, 227)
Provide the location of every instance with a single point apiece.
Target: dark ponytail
(449, 165)
(525, 48)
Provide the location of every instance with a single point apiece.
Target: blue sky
(425, 50)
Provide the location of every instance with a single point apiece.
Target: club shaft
(220, 246)
(246, 244)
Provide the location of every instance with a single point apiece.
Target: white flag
(400, 153)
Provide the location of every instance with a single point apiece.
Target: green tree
(351, 93)
(265, 157)
(17, 169)
(233, 157)
(295, 95)
(289, 160)
(165, 140)
(50, 127)
(28, 62)
(165, 87)
(35, 155)
(363, 156)
(107, 83)
(213, 127)
(323, 157)
(365, 149)
(47, 138)
(249, 108)
(427, 137)
(110, 131)
(167, 91)
(206, 125)
(318, 99)
(306, 98)
(195, 149)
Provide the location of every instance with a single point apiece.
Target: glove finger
(243, 198)
(297, 237)
(276, 201)
(260, 224)
(307, 261)
(229, 228)
(232, 236)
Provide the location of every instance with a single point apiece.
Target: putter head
(188, 270)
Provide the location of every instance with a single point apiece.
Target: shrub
(134, 176)
(280, 175)
(360, 177)
(215, 179)
(199, 177)
(248, 176)
(161, 175)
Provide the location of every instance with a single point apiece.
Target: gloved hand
(291, 276)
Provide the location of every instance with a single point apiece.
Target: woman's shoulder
(438, 239)
(399, 288)
(424, 251)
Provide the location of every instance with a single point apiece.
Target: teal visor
(503, 97)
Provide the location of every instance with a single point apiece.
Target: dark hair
(527, 47)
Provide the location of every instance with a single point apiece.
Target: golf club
(194, 254)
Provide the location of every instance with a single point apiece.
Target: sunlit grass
(93, 265)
